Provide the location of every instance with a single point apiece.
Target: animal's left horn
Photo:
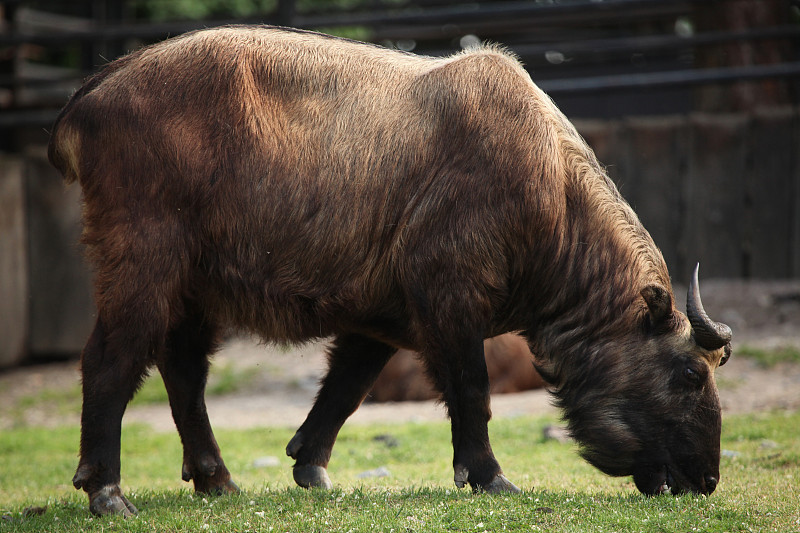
(707, 333)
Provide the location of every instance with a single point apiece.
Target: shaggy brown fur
(300, 186)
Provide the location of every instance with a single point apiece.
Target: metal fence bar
(458, 18)
(670, 78)
(649, 43)
(454, 15)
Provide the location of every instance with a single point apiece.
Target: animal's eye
(692, 376)
(726, 355)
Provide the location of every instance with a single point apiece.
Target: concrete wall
(46, 305)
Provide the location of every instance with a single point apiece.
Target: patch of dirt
(761, 314)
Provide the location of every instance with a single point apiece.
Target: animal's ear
(659, 303)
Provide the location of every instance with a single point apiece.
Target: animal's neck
(603, 261)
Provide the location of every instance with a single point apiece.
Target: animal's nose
(711, 483)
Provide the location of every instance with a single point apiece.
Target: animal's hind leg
(137, 283)
(354, 364)
(184, 367)
(112, 366)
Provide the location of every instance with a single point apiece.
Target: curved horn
(707, 333)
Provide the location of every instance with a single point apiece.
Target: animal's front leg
(354, 364)
(458, 368)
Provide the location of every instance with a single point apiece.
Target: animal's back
(295, 169)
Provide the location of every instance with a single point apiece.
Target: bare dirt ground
(281, 390)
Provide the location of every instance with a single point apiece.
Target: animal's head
(647, 405)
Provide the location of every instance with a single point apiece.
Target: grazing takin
(508, 365)
(301, 186)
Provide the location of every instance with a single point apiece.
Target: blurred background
(691, 105)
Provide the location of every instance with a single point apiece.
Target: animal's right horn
(707, 333)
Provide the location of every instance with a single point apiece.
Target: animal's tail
(59, 155)
(63, 149)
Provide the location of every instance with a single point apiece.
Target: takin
(300, 186)
(508, 365)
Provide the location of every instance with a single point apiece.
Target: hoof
(461, 476)
(215, 486)
(110, 500)
(500, 485)
(209, 475)
(228, 488)
(312, 476)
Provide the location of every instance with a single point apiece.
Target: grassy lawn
(759, 490)
(768, 358)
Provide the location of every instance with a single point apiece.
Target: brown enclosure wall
(13, 263)
(720, 189)
(45, 288)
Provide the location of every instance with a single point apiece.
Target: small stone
(556, 433)
(33, 511)
(381, 471)
(388, 440)
(269, 461)
(730, 454)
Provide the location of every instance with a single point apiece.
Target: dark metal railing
(589, 36)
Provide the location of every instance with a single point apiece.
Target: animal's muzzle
(664, 480)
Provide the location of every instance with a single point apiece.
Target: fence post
(13, 263)
(794, 243)
(770, 193)
(716, 194)
(658, 159)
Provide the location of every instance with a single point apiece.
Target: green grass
(759, 490)
(223, 379)
(768, 358)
